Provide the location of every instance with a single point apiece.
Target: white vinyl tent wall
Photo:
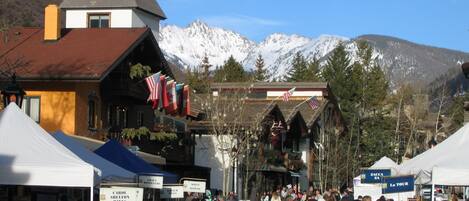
(30, 156)
(445, 163)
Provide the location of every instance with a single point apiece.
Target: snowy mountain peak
(198, 25)
(187, 46)
(279, 37)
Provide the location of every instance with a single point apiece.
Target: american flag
(286, 95)
(153, 84)
(313, 102)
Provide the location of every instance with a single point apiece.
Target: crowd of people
(288, 193)
(291, 193)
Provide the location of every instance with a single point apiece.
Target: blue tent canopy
(110, 171)
(118, 154)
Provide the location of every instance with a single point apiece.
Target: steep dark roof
(80, 54)
(150, 6)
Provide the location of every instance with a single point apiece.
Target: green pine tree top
(298, 69)
(260, 74)
(205, 67)
(231, 71)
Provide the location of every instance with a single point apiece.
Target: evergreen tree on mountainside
(298, 69)
(231, 71)
(260, 74)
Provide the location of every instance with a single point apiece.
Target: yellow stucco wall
(83, 90)
(57, 111)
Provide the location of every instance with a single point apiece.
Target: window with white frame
(32, 107)
(98, 20)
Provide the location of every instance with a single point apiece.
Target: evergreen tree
(298, 70)
(205, 67)
(336, 72)
(312, 71)
(377, 88)
(260, 74)
(219, 74)
(196, 80)
(231, 71)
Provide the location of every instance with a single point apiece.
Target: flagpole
(302, 103)
(271, 102)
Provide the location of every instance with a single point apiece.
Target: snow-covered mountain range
(401, 59)
(187, 46)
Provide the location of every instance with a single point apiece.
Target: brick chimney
(52, 23)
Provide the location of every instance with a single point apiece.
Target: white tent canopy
(30, 156)
(445, 162)
(110, 171)
(383, 163)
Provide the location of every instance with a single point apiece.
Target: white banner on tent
(121, 194)
(194, 186)
(148, 181)
(172, 191)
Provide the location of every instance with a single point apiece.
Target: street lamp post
(12, 92)
(234, 184)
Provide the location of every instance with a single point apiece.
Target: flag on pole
(171, 92)
(153, 84)
(187, 105)
(179, 98)
(313, 102)
(163, 101)
(286, 95)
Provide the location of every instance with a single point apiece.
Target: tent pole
(91, 193)
(433, 192)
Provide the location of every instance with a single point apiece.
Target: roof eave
(162, 15)
(71, 78)
(123, 55)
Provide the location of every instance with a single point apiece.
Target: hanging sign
(172, 191)
(121, 194)
(373, 176)
(398, 184)
(150, 181)
(194, 186)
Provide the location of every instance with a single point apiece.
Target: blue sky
(441, 23)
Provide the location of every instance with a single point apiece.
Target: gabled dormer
(112, 14)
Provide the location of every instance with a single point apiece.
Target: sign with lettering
(149, 181)
(194, 186)
(121, 194)
(172, 191)
(373, 176)
(398, 184)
